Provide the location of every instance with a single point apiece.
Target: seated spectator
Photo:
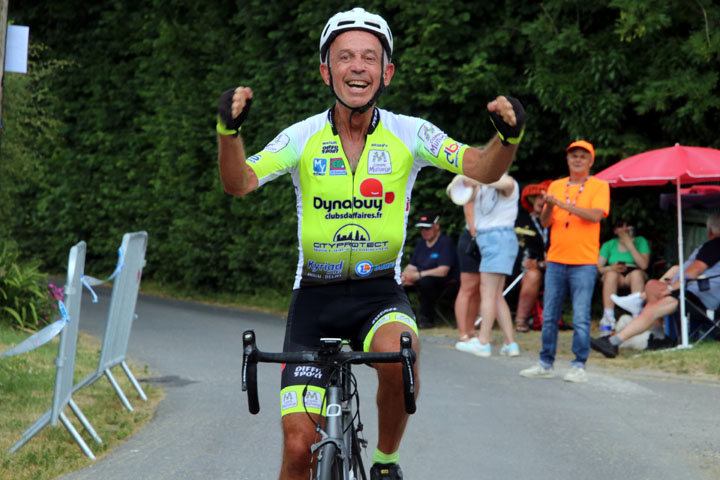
(533, 241)
(660, 296)
(432, 265)
(622, 263)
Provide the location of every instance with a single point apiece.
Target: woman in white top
(495, 209)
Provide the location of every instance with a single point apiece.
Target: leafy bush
(25, 301)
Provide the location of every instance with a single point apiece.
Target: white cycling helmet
(356, 19)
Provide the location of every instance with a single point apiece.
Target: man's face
(579, 161)
(355, 59)
(430, 233)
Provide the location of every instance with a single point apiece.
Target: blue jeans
(580, 280)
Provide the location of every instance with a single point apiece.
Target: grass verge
(26, 391)
(701, 361)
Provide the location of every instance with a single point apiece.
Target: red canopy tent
(680, 165)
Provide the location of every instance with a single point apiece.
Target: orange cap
(582, 144)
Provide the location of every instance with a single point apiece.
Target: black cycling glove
(227, 125)
(509, 134)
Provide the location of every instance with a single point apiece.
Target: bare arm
(487, 165)
(505, 185)
(236, 176)
(642, 260)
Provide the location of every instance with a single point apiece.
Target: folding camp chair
(702, 320)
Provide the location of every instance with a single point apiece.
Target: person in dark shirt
(432, 264)
(533, 241)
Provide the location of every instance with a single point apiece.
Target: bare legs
(466, 304)
(493, 305)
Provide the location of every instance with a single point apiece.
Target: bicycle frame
(338, 448)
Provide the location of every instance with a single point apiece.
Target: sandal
(522, 326)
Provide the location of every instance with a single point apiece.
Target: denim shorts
(498, 248)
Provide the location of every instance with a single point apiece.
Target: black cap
(427, 219)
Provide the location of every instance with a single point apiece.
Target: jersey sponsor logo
(289, 400)
(432, 137)
(278, 143)
(379, 162)
(451, 152)
(337, 166)
(254, 159)
(325, 270)
(364, 268)
(434, 255)
(373, 188)
(330, 148)
(351, 232)
(319, 166)
(307, 371)
(350, 237)
(313, 399)
(348, 204)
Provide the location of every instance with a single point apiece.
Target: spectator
(533, 240)
(431, 265)
(622, 264)
(661, 295)
(467, 301)
(494, 212)
(574, 207)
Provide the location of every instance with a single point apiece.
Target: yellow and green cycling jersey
(351, 225)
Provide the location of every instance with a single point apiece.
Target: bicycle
(339, 447)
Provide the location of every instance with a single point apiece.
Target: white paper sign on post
(16, 48)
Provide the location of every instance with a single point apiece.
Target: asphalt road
(476, 419)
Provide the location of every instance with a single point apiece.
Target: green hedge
(123, 137)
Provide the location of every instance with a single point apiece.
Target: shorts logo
(451, 152)
(364, 268)
(254, 159)
(278, 143)
(307, 371)
(289, 400)
(313, 399)
(379, 162)
(337, 167)
(319, 166)
(432, 137)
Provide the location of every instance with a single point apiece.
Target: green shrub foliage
(25, 295)
(131, 111)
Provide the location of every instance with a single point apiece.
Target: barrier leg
(133, 381)
(32, 430)
(76, 436)
(120, 393)
(78, 413)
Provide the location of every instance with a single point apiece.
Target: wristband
(222, 130)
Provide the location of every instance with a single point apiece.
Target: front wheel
(329, 465)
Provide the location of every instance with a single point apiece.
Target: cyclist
(353, 168)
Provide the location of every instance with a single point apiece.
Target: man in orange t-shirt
(574, 207)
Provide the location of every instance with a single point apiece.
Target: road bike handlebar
(326, 358)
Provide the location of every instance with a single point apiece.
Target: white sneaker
(475, 347)
(632, 303)
(537, 371)
(576, 375)
(510, 350)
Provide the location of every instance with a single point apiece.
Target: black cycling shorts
(352, 310)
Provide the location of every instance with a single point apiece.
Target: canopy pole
(681, 261)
